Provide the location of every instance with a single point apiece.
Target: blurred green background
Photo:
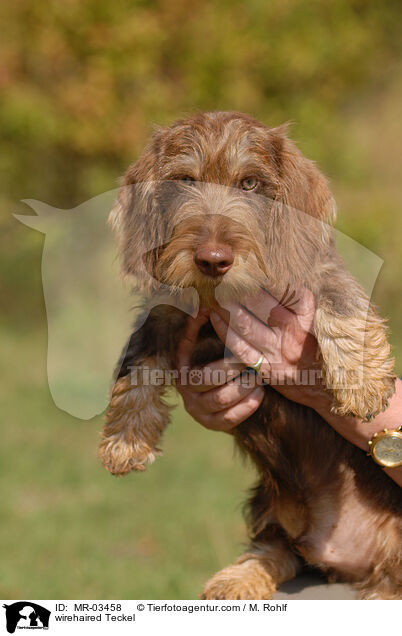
(81, 83)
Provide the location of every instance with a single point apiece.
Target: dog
(224, 180)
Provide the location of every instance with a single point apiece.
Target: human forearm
(360, 433)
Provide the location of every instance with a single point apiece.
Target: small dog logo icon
(26, 615)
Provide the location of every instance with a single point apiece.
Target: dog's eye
(249, 184)
(187, 179)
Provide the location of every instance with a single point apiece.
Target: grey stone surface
(313, 587)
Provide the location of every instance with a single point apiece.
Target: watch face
(388, 450)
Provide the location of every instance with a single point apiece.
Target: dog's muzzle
(214, 260)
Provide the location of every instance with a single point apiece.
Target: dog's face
(221, 200)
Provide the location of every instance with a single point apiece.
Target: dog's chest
(312, 495)
(343, 533)
(334, 530)
(208, 347)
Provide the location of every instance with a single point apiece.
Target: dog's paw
(366, 401)
(120, 457)
(240, 581)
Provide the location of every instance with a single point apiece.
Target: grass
(70, 530)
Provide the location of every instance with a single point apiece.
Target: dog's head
(220, 199)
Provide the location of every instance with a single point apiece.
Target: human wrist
(356, 430)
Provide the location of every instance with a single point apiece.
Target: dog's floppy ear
(137, 219)
(304, 187)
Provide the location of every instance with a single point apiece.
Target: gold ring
(257, 366)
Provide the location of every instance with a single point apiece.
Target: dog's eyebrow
(182, 165)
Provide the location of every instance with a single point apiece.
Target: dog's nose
(214, 260)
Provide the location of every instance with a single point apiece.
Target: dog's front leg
(135, 420)
(357, 366)
(137, 415)
(257, 574)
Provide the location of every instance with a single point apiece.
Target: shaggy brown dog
(224, 183)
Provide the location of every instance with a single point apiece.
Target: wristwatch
(386, 448)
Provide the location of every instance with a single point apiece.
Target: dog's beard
(245, 278)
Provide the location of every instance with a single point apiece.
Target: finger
(250, 329)
(254, 339)
(226, 396)
(305, 309)
(259, 306)
(227, 420)
(297, 315)
(189, 338)
(213, 374)
(299, 302)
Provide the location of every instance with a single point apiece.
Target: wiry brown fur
(319, 498)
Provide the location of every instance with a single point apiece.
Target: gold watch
(386, 448)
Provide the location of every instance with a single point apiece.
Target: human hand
(283, 334)
(219, 401)
(260, 326)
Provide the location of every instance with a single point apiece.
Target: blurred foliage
(81, 83)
